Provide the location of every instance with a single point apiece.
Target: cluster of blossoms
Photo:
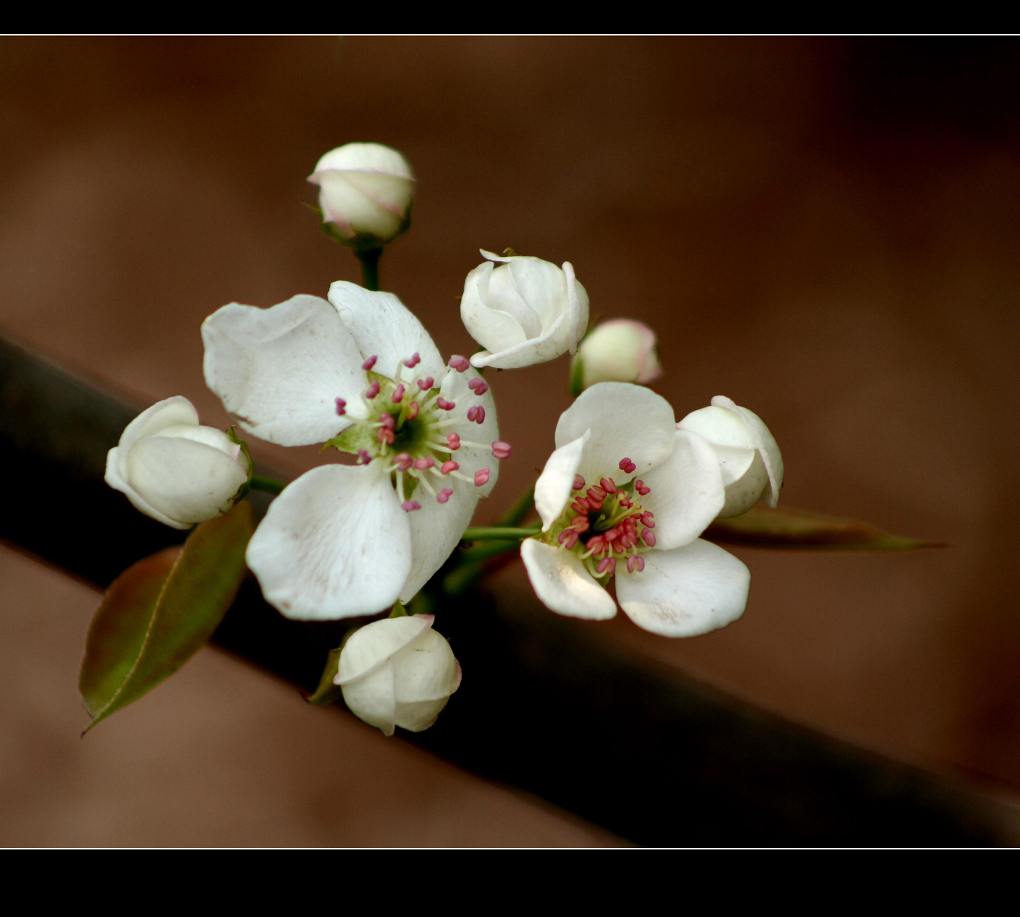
(623, 499)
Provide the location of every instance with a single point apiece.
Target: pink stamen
(403, 461)
(567, 538)
(648, 519)
(449, 466)
(453, 441)
(426, 383)
(627, 465)
(409, 506)
(369, 363)
(412, 361)
(501, 449)
(341, 407)
(476, 413)
(597, 544)
(648, 537)
(458, 363)
(445, 405)
(398, 394)
(478, 386)
(635, 563)
(364, 457)
(607, 565)
(612, 534)
(423, 464)
(580, 524)
(444, 495)
(608, 485)
(481, 477)
(641, 487)
(580, 505)
(578, 482)
(372, 390)
(412, 410)
(386, 436)
(596, 493)
(387, 421)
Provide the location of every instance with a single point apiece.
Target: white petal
(541, 284)
(366, 157)
(547, 346)
(626, 421)
(334, 544)
(352, 206)
(280, 370)
(687, 491)
(169, 412)
(384, 327)
(685, 592)
(577, 308)
(425, 670)
(720, 424)
(745, 477)
(372, 699)
(454, 387)
(555, 483)
(563, 584)
(503, 296)
(768, 448)
(377, 643)
(489, 327)
(115, 460)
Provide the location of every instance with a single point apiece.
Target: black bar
(653, 756)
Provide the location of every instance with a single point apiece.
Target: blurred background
(825, 230)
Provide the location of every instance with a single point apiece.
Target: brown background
(825, 230)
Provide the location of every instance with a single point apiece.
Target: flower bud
(365, 192)
(397, 672)
(175, 470)
(749, 457)
(524, 311)
(620, 350)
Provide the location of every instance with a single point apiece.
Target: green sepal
(576, 375)
(328, 693)
(233, 436)
(355, 438)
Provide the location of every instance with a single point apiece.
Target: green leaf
(160, 611)
(764, 527)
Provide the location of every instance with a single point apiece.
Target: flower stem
(370, 267)
(269, 485)
(497, 533)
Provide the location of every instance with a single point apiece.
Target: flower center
(408, 425)
(605, 524)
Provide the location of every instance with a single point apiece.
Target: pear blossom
(620, 350)
(366, 190)
(358, 373)
(625, 496)
(748, 454)
(524, 311)
(397, 672)
(174, 469)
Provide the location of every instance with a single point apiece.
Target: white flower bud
(621, 350)
(524, 311)
(749, 457)
(397, 672)
(365, 191)
(173, 469)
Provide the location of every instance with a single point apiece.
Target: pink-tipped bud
(409, 506)
(501, 449)
(453, 441)
(369, 363)
(444, 495)
(403, 461)
(641, 487)
(398, 394)
(423, 464)
(449, 466)
(445, 405)
(458, 363)
(341, 407)
(412, 410)
(608, 485)
(481, 477)
(626, 465)
(426, 383)
(372, 391)
(606, 565)
(412, 361)
(648, 537)
(478, 386)
(567, 538)
(635, 563)
(364, 457)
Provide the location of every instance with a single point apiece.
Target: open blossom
(365, 192)
(748, 454)
(359, 373)
(625, 496)
(523, 311)
(621, 350)
(175, 470)
(397, 672)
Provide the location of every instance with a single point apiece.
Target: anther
(578, 482)
(386, 436)
(635, 563)
(648, 520)
(412, 361)
(580, 524)
(341, 407)
(642, 488)
(409, 506)
(608, 485)
(596, 493)
(364, 457)
(426, 383)
(567, 538)
(412, 410)
(476, 413)
(449, 466)
(423, 464)
(398, 394)
(481, 477)
(453, 441)
(372, 390)
(627, 465)
(445, 405)
(596, 545)
(444, 495)
(607, 565)
(369, 363)
(478, 385)
(648, 537)
(501, 449)
(580, 505)
(403, 461)
(458, 363)
(387, 421)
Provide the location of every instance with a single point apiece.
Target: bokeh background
(824, 229)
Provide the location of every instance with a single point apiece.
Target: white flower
(173, 469)
(361, 373)
(366, 190)
(525, 311)
(748, 454)
(621, 350)
(397, 672)
(627, 494)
